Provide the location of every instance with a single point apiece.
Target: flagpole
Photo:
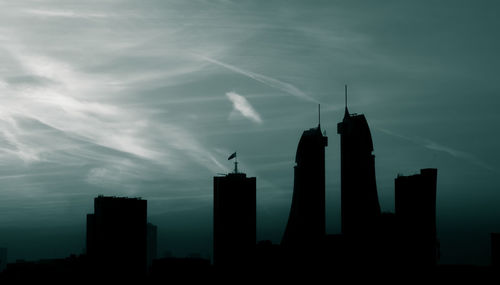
(234, 155)
(236, 163)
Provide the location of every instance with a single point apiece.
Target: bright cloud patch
(242, 106)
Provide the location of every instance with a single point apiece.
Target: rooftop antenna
(346, 96)
(346, 111)
(319, 115)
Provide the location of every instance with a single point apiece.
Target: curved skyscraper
(359, 201)
(306, 222)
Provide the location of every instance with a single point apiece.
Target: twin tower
(359, 200)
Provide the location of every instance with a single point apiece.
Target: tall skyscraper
(234, 219)
(360, 208)
(306, 222)
(117, 237)
(416, 213)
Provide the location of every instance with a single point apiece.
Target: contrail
(441, 148)
(269, 81)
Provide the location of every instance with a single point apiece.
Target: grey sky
(148, 98)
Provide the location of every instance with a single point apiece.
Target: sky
(149, 98)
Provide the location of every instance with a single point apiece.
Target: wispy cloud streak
(269, 81)
(64, 14)
(115, 137)
(445, 149)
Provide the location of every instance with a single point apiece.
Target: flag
(232, 156)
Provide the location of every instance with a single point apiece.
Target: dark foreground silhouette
(373, 245)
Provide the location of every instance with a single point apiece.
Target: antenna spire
(345, 95)
(346, 111)
(319, 115)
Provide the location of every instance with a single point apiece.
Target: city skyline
(147, 100)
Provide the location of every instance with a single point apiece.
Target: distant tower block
(360, 208)
(3, 258)
(495, 250)
(235, 232)
(152, 245)
(416, 212)
(306, 222)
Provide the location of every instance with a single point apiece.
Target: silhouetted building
(306, 222)
(3, 258)
(337, 251)
(268, 257)
(117, 237)
(360, 208)
(72, 269)
(416, 213)
(234, 219)
(387, 239)
(152, 236)
(180, 270)
(495, 250)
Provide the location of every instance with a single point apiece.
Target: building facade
(415, 197)
(306, 222)
(360, 208)
(117, 237)
(235, 231)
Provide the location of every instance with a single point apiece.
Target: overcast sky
(148, 98)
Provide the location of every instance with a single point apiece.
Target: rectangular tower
(416, 213)
(495, 250)
(3, 258)
(152, 246)
(117, 237)
(234, 219)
